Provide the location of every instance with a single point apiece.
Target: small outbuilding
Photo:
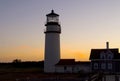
(71, 66)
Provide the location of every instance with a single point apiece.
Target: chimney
(107, 45)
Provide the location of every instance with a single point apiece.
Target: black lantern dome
(52, 13)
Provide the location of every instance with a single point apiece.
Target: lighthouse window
(52, 19)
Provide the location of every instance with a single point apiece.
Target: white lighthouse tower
(52, 42)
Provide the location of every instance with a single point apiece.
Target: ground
(12, 74)
(21, 71)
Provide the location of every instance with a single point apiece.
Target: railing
(55, 31)
(96, 77)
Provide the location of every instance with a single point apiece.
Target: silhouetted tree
(27, 64)
(17, 61)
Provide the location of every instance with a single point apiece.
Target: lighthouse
(52, 42)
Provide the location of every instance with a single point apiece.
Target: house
(83, 66)
(71, 66)
(105, 60)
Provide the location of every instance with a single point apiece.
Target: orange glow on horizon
(28, 53)
(78, 55)
(23, 52)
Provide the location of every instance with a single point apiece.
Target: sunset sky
(85, 24)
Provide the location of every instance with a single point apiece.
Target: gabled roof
(71, 62)
(66, 62)
(95, 53)
(85, 63)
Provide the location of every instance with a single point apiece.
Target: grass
(20, 70)
(11, 74)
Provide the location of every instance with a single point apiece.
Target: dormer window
(109, 55)
(102, 55)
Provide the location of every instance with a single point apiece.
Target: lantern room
(52, 17)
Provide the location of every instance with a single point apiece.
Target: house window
(102, 55)
(95, 65)
(110, 56)
(109, 65)
(65, 68)
(103, 66)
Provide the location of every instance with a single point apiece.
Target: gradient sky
(85, 24)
